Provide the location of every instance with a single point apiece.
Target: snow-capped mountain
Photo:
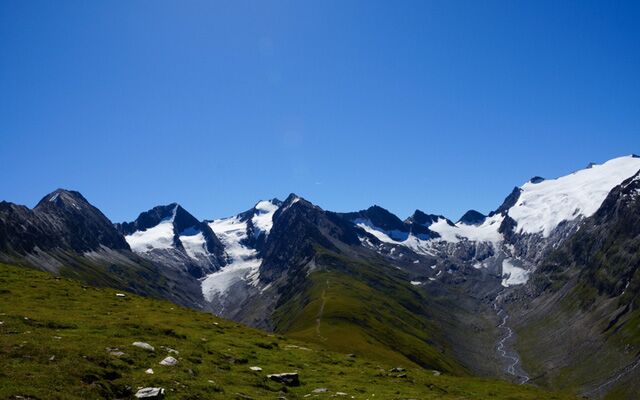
(533, 219)
(172, 236)
(275, 265)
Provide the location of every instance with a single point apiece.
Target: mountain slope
(588, 293)
(67, 235)
(319, 283)
(62, 340)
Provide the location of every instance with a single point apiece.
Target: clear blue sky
(442, 106)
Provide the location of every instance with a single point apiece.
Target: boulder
(287, 378)
(150, 393)
(169, 361)
(144, 345)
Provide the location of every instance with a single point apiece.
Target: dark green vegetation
(587, 293)
(56, 335)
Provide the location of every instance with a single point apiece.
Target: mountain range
(543, 290)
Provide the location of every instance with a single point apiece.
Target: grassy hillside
(56, 337)
(369, 309)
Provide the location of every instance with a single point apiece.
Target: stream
(505, 348)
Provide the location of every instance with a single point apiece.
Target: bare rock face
(62, 219)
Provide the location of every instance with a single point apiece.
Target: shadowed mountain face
(62, 219)
(66, 235)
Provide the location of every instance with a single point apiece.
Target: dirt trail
(319, 317)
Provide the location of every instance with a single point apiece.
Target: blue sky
(442, 106)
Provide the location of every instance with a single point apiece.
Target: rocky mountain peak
(472, 217)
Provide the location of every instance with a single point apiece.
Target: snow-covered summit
(171, 233)
(542, 206)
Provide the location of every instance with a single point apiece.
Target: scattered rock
(52, 358)
(293, 346)
(436, 372)
(57, 337)
(169, 350)
(287, 378)
(351, 355)
(341, 394)
(149, 371)
(150, 393)
(169, 361)
(320, 390)
(255, 368)
(397, 369)
(114, 351)
(144, 345)
(120, 295)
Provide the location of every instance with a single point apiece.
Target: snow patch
(263, 219)
(512, 274)
(485, 232)
(157, 237)
(393, 236)
(194, 243)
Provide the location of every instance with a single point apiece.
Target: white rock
(255, 368)
(149, 371)
(169, 361)
(120, 295)
(144, 345)
(150, 393)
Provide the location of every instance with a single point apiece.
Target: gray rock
(320, 390)
(287, 378)
(150, 393)
(114, 351)
(169, 361)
